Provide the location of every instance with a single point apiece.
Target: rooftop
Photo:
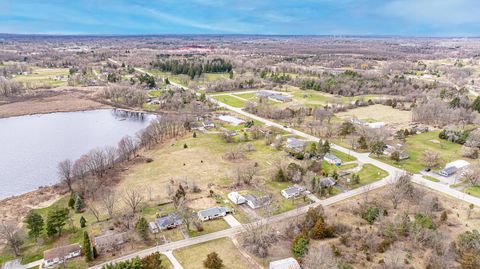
(60, 252)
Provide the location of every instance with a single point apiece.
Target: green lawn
(369, 174)
(431, 178)
(230, 100)
(250, 95)
(209, 226)
(343, 156)
(45, 76)
(474, 191)
(192, 257)
(417, 144)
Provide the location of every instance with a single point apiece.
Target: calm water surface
(32, 146)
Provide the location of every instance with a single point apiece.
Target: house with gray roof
(295, 144)
(169, 221)
(327, 182)
(288, 263)
(213, 213)
(292, 191)
(332, 159)
(256, 202)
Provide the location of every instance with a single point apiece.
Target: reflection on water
(32, 146)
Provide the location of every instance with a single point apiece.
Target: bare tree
(109, 199)
(11, 234)
(111, 156)
(258, 238)
(319, 257)
(65, 172)
(472, 174)
(133, 198)
(431, 159)
(94, 210)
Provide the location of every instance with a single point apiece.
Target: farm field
(379, 113)
(192, 257)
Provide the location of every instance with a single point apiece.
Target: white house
(295, 144)
(288, 263)
(236, 198)
(231, 119)
(59, 255)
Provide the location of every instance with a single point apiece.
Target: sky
(270, 17)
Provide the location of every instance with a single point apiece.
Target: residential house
(231, 119)
(448, 171)
(292, 191)
(256, 202)
(389, 149)
(295, 144)
(213, 213)
(59, 255)
(332, 159)
(236, 198)
(451, 168)
(169, 221)
(208, 124)
(110, 241)
(327, 182)
(288, 263)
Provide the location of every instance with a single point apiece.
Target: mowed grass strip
(192, 257)
(369, 174)
(230, 100)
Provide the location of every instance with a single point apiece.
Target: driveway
(232, 221)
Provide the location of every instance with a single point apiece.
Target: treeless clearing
(381, 113)
(54, 100)
(192, 257)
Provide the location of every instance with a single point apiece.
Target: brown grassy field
(381, 113)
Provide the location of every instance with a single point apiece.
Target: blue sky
(317, 17)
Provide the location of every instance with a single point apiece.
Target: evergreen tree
(83, 222)
(71, 201)
(300, 245)
(476, 104)
(35, 224)
(78, 206)
(94, 252)
(142, 228)
(280, 176)
(362, 142)
(213, 261)
(455, 102)
(87, 248)
(56, 219)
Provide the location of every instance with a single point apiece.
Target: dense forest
(193, 69)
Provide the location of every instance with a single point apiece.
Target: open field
(368, 174)
(192, 257)
(380, 113)
(417, 144)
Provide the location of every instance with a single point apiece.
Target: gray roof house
(292, 191)
(256, 202)
(295, 144)
(213, 213)
(327, 182)
(448, 171)
(169, 221)
(59, 255)
(110, 241)
(332, 159)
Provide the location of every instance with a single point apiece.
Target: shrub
(300, 245)
(213, 261)
(425, 221)
(371, 214)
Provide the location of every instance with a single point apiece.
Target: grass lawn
(417, 144)
(343, 156)
(210, 226)
(369, 173)
(230, 100)
(474, 191)
(192, 257)
(248, 96)
(431, 178)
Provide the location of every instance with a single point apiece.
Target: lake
(32, 146)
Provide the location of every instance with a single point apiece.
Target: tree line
(193, 69)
